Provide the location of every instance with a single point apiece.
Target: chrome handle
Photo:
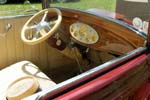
(7, 28)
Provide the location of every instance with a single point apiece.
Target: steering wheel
(39, 27)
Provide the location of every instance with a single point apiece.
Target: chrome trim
(86, 75)
(14, 16)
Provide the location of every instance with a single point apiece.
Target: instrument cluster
(84, 33)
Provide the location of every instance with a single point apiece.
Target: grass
(82, 4)
(86, 4)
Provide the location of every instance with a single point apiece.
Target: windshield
(126, 8)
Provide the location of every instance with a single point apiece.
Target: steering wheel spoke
(44, 17)
(31, 27)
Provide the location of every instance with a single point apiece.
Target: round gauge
(84, 33)
(137, 23)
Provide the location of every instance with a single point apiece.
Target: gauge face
(84, 33)
(137, 22)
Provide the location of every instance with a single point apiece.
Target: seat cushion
(19, 70)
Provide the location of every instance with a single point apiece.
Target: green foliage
(86, 4)
(77, 4)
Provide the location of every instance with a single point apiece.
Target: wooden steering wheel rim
(47, 35)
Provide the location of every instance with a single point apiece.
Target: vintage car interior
(56, 44)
